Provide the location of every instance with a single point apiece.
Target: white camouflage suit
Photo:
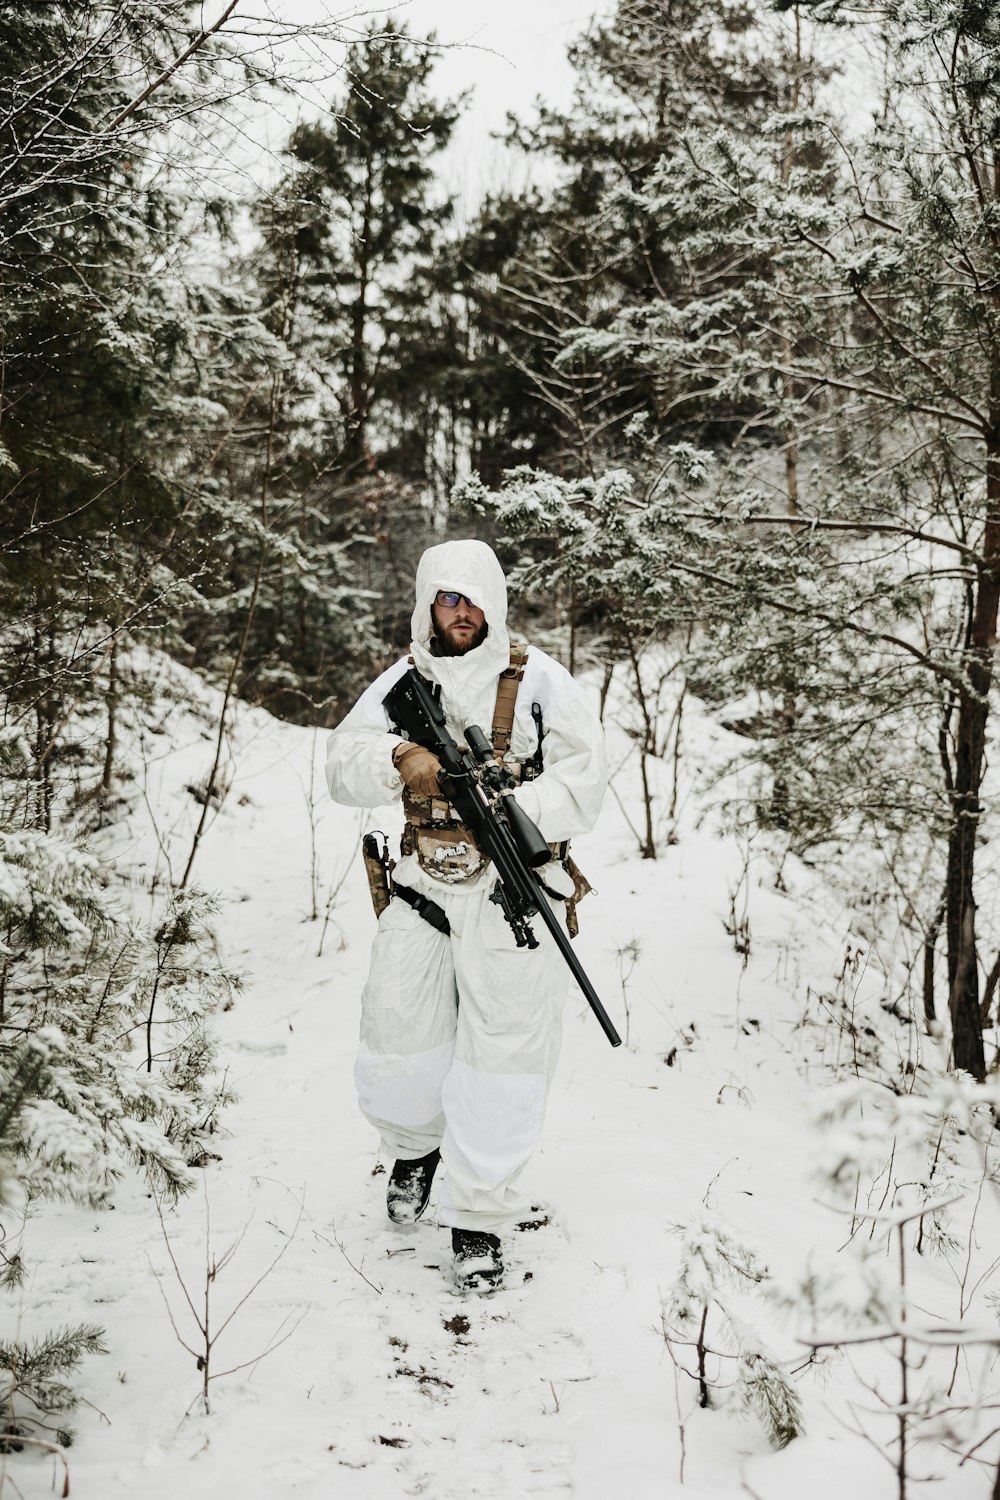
(460, 1033)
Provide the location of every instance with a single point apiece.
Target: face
(459, 627)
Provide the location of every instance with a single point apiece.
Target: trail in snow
(389, 1383)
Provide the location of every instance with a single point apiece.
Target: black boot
(478, 1262)
(410, 1187)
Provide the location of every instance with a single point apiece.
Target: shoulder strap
(503, 711)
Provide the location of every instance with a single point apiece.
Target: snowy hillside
(745, 1008)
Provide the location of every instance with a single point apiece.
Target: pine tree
(344, 435)
(33, 1372)
(369, 224)
(595, 251)
(732, 1364)
(861, 360)
(93, 1000)
(110, 367)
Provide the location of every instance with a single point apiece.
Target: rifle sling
(424, 907)
(503, 709)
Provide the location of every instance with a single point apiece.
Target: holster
(378, 868)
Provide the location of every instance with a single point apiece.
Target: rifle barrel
(552, 922)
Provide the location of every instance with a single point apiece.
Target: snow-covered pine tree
(34, 1392)
(723, 1352)
(339, 484)
(122, 1016)
(112, 368)
(107, 1061)
(911, 368)
(859, 644)
(590, 251)
(25, 1079)
(33, 1371)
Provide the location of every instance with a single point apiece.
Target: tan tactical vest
(443, 845)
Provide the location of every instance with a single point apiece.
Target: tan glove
(419, 769)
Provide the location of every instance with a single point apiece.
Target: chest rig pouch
(444, 846)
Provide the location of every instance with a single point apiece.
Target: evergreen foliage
(123, 1066)
(837, 303)
(698, 1315)
(114, 369)
(368, 227)
(25, 1079)
(557, 269)
(33, 1376)
(32, 1373)
(341, 445)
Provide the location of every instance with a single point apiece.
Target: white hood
(470, 568)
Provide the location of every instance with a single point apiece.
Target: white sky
(507, 55)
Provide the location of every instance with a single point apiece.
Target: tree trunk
(111, 742)
(356, 448)
(970, 748)
(930, 949)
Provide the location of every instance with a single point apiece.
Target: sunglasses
(450, 600)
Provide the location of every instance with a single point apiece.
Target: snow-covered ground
(382, 1381)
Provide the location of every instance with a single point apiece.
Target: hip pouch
(444, 847)
(448, 854)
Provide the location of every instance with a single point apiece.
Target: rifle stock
(502, 830)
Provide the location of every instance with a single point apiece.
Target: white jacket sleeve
(359, 768)
(566, 798)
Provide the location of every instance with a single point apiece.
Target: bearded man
(460, 1028)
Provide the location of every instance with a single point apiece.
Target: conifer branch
(802, 520)
(818, 379)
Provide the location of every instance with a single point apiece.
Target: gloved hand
(419, 769)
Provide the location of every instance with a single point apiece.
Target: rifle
(479, 788)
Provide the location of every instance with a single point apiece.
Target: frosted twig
(677, 1395)
(357, 1271)
(209, 1335)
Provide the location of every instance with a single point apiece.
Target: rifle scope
(529, 838)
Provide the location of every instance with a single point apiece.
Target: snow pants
(459, 1040)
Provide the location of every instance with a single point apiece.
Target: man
(460, 1028)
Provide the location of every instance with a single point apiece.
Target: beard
(449, 641)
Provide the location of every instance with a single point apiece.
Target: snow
(382, 1380)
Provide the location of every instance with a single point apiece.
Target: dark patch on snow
(424, 1377)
